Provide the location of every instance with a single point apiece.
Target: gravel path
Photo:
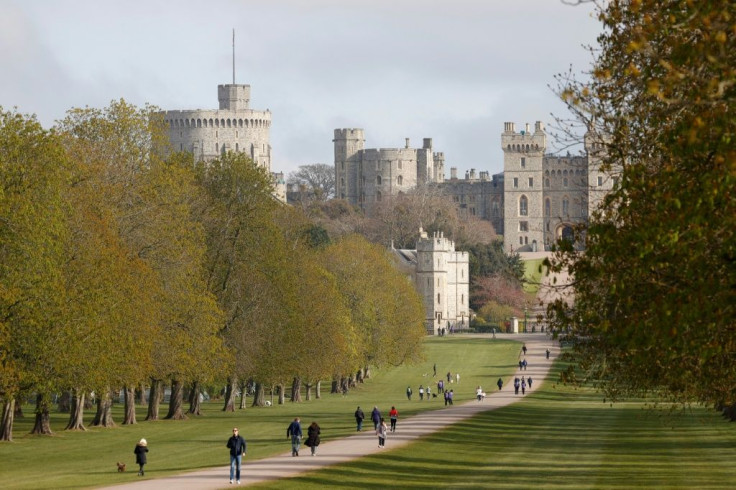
(365, 443)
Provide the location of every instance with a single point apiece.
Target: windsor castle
(535, 201)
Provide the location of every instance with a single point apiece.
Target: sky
(451, 70)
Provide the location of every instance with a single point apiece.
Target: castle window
(228, 123)
(600, 181)
(462, 299)
(521, 240)
(523, 206)
(438, 298)
(472, 211)
(523, 226)
(429, 283)
(564, 182)
(531, 181)
(217, 147)
(199, 123)
(565, 206)
(546, 182)
(547, 227)
(378, 180)
(523, 162)
(547, 207)
(399, 180)
(378, 195)
(236, 147)
(236, 134)
(526, 240)
(516, 182)
(494, 209)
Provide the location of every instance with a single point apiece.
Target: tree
(655, 303)
(315, 182)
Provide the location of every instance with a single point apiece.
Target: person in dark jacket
(375, 417)
(359, 417)
(236, 444)
(499, 383)
(140, 455)
(313, 432)
(295, 432)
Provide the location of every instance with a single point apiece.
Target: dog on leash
(121, 467)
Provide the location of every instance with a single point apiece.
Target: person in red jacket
(393, 415)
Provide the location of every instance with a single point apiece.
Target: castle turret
(348, 144)
(523, 174)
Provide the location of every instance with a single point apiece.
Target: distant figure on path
(523, 349)
(313, 432)
(429, 392)
(529, 380)
(499, 383)
(435, 369)
(421, 392)
(376, 417)
(381, 431)
(408, 393)
(452, 394)
(517, 384)
(457, 378)
(393, 415)
(140, 455)
(440, 386)
(359, 417)
(447, 397)
(523, 363)
(448, 376)
(523, 386)
(479, 393)
(547, 353)
(295, 432)
(236, 444)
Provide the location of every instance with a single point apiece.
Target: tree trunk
(335, 388)
(308, 386)
(103, 417)
(318, 390)
(230, 395)
(140, 393)
(259, 397)
(195, 406)
(730, 412)
(129, 418)
(65, 402)
(76, 411)
(344, 385)
(281, 391)
(6, 429)
(352, 381)
(366, 372)
(360, 377)
(296, 389)
(18, 414)
(42, 424)
(176, 412)
(154, 399)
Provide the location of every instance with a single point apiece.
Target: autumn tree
(314, 182)
(655, 303)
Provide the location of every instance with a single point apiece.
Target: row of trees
(124, 265)
(655, 291)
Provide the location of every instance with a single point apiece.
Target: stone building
(537, 200)
(366, 176)
(209, 133)
(441, 276)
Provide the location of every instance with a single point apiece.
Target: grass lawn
(559, 437)
(86, 459)
(533, 272)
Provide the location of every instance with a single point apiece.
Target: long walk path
(359, 445)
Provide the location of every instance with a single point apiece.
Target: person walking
(523, 386)
(421, 392)
(312, 442)
(479, 393)
(376, 417)
(457, 378)
(523, 363)
(447, 397)
(499, 383)
(440, 386)
(517, 384)
(429, 392)
(523, 349)
(393, 415)
(452, 394)
(381, 431)
(529, 381)
(236, 444)
(408, 393)
(140, 455)
(448, 376)
(547, 352)
(435, 370)
(359, 417)
(294, 431)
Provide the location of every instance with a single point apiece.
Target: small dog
(121, 467)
